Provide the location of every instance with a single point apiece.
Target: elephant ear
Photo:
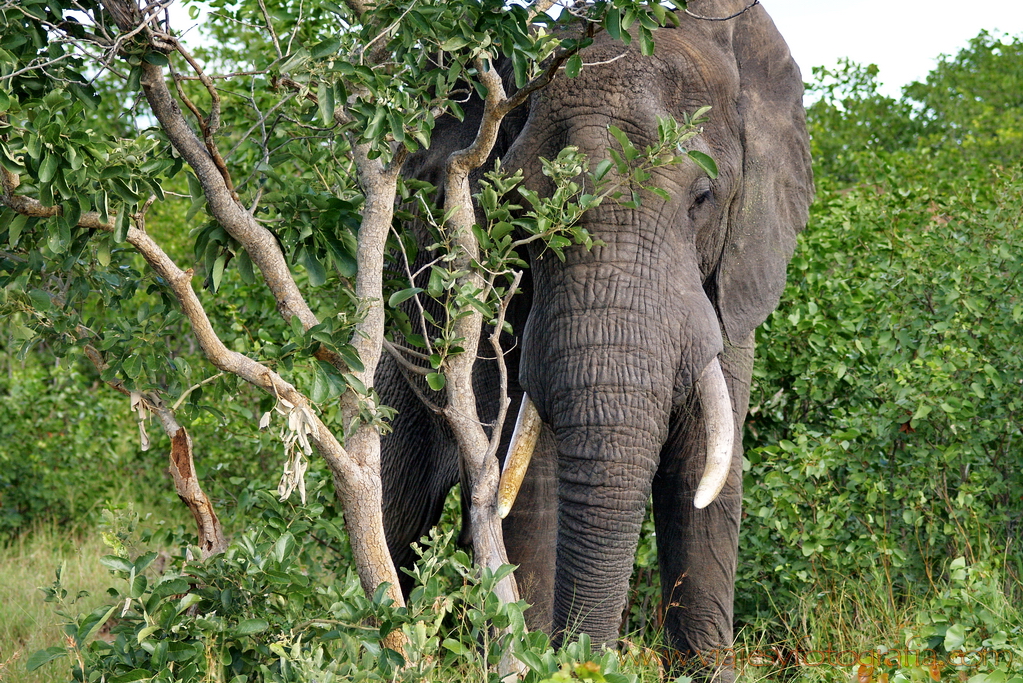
(773, 200)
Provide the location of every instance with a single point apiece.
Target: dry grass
(27, 623)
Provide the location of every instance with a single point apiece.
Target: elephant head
(638, 351)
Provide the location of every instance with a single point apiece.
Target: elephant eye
(700, 197)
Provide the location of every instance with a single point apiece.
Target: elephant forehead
(688, 70)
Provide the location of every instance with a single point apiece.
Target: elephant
(637, 353)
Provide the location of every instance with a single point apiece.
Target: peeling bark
(182, 469)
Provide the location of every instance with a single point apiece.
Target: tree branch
(259, 242)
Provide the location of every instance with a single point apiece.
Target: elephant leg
(418, 467)
(698, 549)
(531, 533)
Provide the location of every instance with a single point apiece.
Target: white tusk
(717, 416)
(520, 450)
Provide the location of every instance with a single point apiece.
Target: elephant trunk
(608, 354)
(716, 406)
(606, 463)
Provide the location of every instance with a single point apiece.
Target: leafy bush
(888, 383)
(67, 449)
(285, 604)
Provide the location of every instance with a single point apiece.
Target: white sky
(903, 37)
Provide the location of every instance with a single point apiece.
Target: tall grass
(27, 623)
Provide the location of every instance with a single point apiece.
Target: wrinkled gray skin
(613, 339)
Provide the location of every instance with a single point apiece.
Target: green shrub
(67, 448)
(888, 385)
(284, 603)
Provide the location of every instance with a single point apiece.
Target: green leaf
(327, 47)
(704, 162)
(94, 622)
(294, 61)
(244, 264)
(436, 381)
(351, 357)
(58, 236)
(132, 367)
(250, 627)
(134, 79)
(143, 561)
(138, 586)
(628, 148)
(48, 168)
(15, 228)
(355, 383)
(453, 43)
(132, 676)
(403, 295)
(103, 252)
(321, 387)
(313, 267)
(325, 101)
(285, 545)
(116, 563)
(218, 270)
(41, 657)
(530, 659)
(573, 66)
(121, 225)
(8, 161)
(520, 66)
(72, 212)
(146, 632)
(602, 168)
(186, 601)
(41, 300)
(955, 636)
(646, 41)
(613, 23)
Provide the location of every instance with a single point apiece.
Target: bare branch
(261, 122)
(398, 352)
(502, 368)
(189, 390)
(270, 28)
(211, 123)
(233, 74)
(32, 207)
(730, 16)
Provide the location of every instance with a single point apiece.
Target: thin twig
(270, 28)
(215, 77)
(189, 390)
(260, 123)
(398, 352)
(502, 368)
(745, 9)
(298, 25)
